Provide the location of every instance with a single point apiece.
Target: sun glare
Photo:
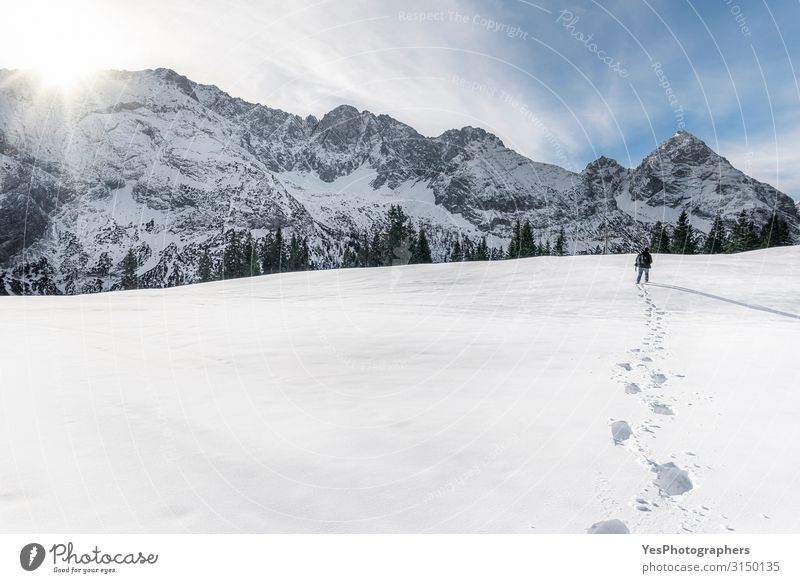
(60, 42)
(60, 75)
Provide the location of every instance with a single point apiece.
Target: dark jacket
(644, 259)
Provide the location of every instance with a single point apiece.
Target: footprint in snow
(658, 378)
(671, 480)
(661, 409)
(624, 365)
(647, 359)
(608, 527)
(620, 431)
(632, 388)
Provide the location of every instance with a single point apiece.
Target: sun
(61, 42)
(62, 76)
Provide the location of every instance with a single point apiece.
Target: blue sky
(561, 82)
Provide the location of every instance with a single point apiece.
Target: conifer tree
(399, 238)
(527, 247)
(264, 250)
(659, 241)
(103, 264)
(362, 250)
(232, 256)
(456, 254)
(775, 233)
(514, 245)
(421, 253)
(482, 250)
(468, 249)
(715, 242)
(743, 235)
(293, 261)
(683, 240)
(560, 246)
(130, 264)
(349, 258)
(305, 255)
(204, 267)
(273, 249)
(376, 252)
(250, 259)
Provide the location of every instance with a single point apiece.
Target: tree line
(397, 241)
(243, 256)
(743, 235)
(523, 245)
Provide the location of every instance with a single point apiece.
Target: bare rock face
(151, 161)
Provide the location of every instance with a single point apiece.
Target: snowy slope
(469, 397)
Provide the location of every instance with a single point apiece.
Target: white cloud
(770, 159)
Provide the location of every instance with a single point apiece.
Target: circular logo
(31, 556)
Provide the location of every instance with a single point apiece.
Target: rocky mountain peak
(468, 135)
(340, 116)
(602, 164)
(345, 125)
(183, 83)
(684, 147)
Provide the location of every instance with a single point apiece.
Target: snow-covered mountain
(152, 161)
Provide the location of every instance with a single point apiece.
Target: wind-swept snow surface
(472, 397)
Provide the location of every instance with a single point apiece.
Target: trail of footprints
(642, 378)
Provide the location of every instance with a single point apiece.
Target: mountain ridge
(153, 161)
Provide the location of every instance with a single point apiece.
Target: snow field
(472, 397)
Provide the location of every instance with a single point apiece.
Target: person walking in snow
(643, 263)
